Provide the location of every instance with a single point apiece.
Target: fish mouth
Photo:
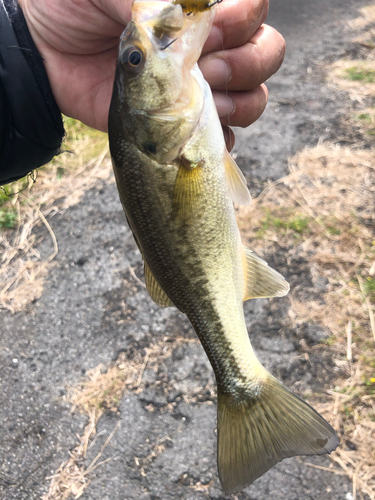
(165, 23)
(155, 25)
(158, 13)
(160, 19)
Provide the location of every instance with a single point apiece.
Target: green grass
(8, 190)
(8, 218)
(367, 121)
(8, 215)
(348, 410)
(369, 382)
(333, 230)
(80, 139)
(369, 287)
(357, 74)
(295, 223)
(4, 196)
(81, 145)
(370, 361)
(365, 117)
(331, 340)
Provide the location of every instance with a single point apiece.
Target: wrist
(33, 127)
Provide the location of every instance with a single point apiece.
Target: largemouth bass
(177, 184)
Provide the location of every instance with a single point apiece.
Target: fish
(177, 184)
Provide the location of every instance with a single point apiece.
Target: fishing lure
(194, 6)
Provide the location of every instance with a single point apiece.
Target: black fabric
(31, 126)
(3, 115)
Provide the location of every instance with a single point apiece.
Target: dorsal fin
(236, 182)
(155, 290)
(261, 280)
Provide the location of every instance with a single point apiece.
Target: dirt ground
(94, 310)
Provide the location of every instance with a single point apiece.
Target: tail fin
(259, 432)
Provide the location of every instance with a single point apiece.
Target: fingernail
(216, 71)
(224, 105)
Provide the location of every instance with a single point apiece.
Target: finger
(229, 137)
(118, 10)
(246, 67)
(241, 109)
(235, 23)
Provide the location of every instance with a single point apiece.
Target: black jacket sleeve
(31, 127)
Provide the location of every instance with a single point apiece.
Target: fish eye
(132, 59)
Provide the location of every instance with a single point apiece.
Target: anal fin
(155, 290)
(261, 280)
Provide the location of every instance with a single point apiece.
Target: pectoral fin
(236, 182)
(188, 188)
(261, 280)
(155, 290)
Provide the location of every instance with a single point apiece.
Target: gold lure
(194, 6)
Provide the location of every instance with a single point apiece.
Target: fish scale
(177, 184)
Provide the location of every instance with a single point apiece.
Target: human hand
(79, 44)
(240, 54)
(79, 41)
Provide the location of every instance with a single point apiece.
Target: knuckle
(257, 11)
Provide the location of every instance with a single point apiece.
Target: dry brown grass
(365, 122)
(353, 76)
(352, 407)
(357, 76)
(58, 185)
(325, 210)
(366, 18)
(101, 391)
